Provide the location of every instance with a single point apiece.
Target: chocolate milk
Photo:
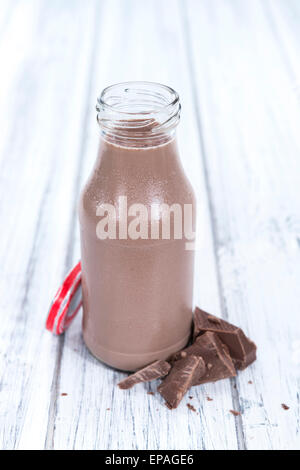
(137, 293)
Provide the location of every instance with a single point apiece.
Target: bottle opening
(138, 114)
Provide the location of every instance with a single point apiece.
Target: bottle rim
(101, 100)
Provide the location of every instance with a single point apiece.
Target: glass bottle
(137, 261)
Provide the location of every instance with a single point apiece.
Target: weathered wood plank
(249, 115)
(235, 65)
(136, 420)
(45, 49)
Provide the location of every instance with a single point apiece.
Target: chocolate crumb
(150, 393)
(209, 399)
(63, 394)
(284, 406)
(191, 407)
(235, 413)
(250, 382)
(107, 409)
(190, 397)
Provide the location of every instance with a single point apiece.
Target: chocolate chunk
(213, 319)
(218, 362)
(153, 371)
(182, 375)
(241, 348)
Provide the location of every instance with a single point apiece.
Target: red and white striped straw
(66, 303)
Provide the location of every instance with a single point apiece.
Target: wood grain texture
(235, 65)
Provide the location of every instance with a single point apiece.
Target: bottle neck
(138, 114)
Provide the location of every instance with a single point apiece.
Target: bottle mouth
(138, 113)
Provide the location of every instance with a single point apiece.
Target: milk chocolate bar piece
(153, 371)
(180, 379)
(241, 348)
(219, 364)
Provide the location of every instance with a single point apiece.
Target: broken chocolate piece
(241, 348)
(219, 364)
(183, 373)
(153, 371)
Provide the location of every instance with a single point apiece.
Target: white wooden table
(235, 64)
